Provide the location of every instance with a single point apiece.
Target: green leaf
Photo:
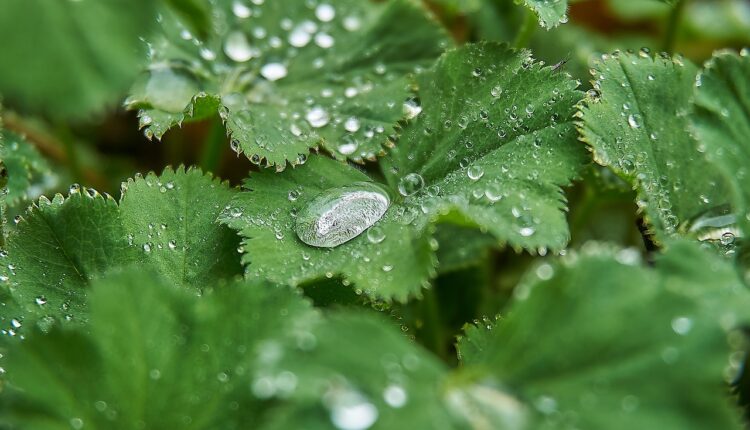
(242, 353)
(87, 55)
(154, 355)
(58, 247)
(551, 13)
(721, 122)
(396, 267)
(381, 373)
(518, 146)
(623, 346)
(29, 173)
(166, 223)
(635, 122)
(289, 79)
(173, 216)
(197, 13)
(727, 20)
(573, 46)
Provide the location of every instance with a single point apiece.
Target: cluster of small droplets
(256, 46)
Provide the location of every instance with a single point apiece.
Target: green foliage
(285, 79)
(608, 326)
(551, 13)
(721, 121)
(92, 46)
(635, 121)
(29, 173)
(477, 161)
(451, 259)
(164, 358)
(166, 223)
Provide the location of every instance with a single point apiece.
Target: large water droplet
(715, 224)
(340, 214)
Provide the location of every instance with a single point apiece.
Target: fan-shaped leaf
(491, 147)
(286, 79)
(636, 123)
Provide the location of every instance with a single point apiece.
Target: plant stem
(212, 147)
(673, 24)
(526, 31)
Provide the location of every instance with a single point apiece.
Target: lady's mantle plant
(390, 166)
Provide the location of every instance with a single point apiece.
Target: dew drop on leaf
(325, 12)
(351, 411)
(375, 234)
(634, 121)
(475, 172)
(273, 71)
(237, 47)
(412, 108)
(317, 117)
(410, 184)
(340, 214)
(240, 9)
(395, 396)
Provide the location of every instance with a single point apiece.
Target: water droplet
(273, 71)
(237, 47)
(410, 184)
(475, 172)
(348, 145)
(411, 108)
(317, 117)
(682, 325)
(325, 12)
(240, 10)
(352, 23)
(324, 40)
(340, 214)
(395, 396)
(375, 234)
(207, 54)
(714, 225)
(299, 37)
(352, 124)
(351, 411)
(634, 120)
(40, 300)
